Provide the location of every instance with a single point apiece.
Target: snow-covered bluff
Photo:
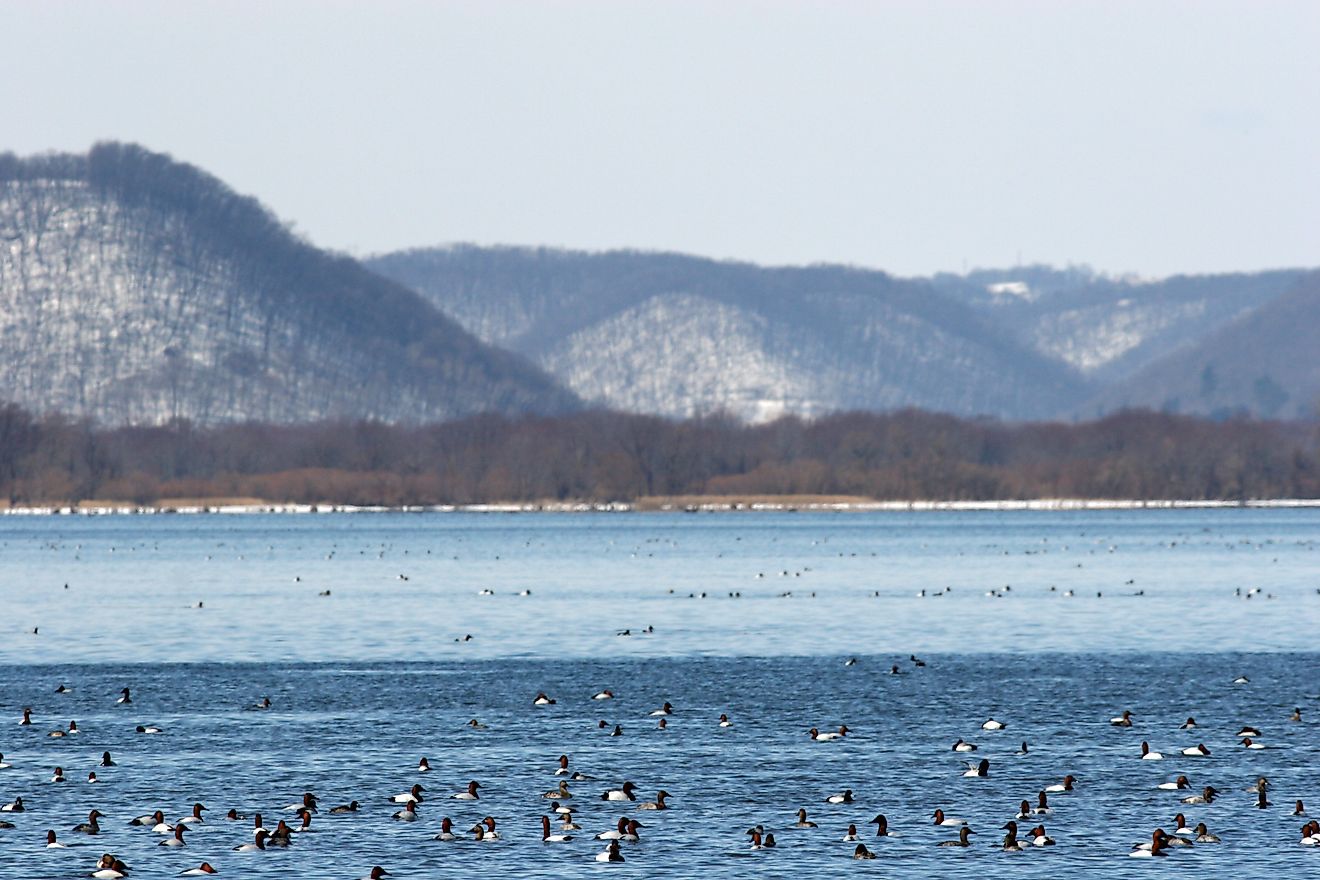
(134, 289)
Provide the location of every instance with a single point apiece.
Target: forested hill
(136, 289)
(679, 335)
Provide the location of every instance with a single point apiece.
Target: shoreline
(685, 504)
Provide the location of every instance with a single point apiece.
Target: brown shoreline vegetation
(604, 457)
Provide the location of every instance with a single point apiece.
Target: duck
(948, 821)
(1147, 754)
(1197, 751)
(106, 760)
(3, 765)
(802, 821)
(1261, 800)
(615, 833)
(487, 829)
(724, 720)
(1248, 744)
(566, 823)
(350, 807)
(620, 794)
(1024, 811)
(1042, 807)
(423, 765)
(177, 839)
(658, 803)
(1154, 848)
(91, 826)
(308, 802)
(26, 720)
(1011, 843)
(150, 820)
(666, 709)
(201, 870)
(882, 826)
(1039, 837)
(257, 827)
(91, 778)
(109, 868)
(980, 769)
(468, 794)
(234, 815)
(862, 852)
(52, 843)
(562, 769)
(148, 729)
(1189, 724)
(281, 836)
(58, 775)
(446, 830)
(1066, 785)
(1180, 826)
(842, 797)
(1124, 720)
(1300, 809)
(992, 724)
(15, 806)
(1203, 834)
(611, 854)
(1311, 833)
(1207, 796)
(542, 700)
(125, 697)
(963, 746)
(407, 814)
(757, 842)
(560, 792)
(828, 737)
(1241, 679)
(560, 809)
(618, 728)
(257, 845)
(962, 840)
(1023, 750)
(1179, 783)
(195, 818)
(603, 695)
(630, 833)
(547, 837)
(412, 794)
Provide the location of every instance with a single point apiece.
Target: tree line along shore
(606, 457)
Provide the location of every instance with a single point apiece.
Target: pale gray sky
(1152, 137)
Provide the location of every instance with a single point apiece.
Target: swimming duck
(962, 840)
(1300, 809)
(612, 854)
(1042, 807)
(412, 794)
(3, 765)
(851, 836)
(615, 833)
(125, 697)
(724, 721)
(658, 803)
(407, 814)
(827, 737)
(90, 826)
(308, 802)
(1180, 782)
(58, 775)
(862, 852)
(992, 724)
(630, 832)
(980, 769)
(560, 792)
(542, 700)
(843, 797)
(1010, 839)
(177, 839)
(1147, 754)
(151, 820)
(962, 746)
(1248, 730)
(1066, 785)
(27, 718)
(257, 845)
(488, 832)
(1207, 796)
(469, 794)
(1311, 833)
(1180, 826)
(446, 830)
(666, 709)
(620, 794)
(201, 870)
(52, 843)
(603, 695)
(423, 765)
(109, 868)
(1024, 811)
(802, 820)
(1124, 720)
(1039, 837)
(882, 826)
(1153, 849)
(148, 729)
(1248, 744)
(195, 818)
(1203, 834)
(547, 837)
(106, 760)
(941, 819)
(350, 807)
(1189, 724)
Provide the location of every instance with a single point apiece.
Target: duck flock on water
(571, 810)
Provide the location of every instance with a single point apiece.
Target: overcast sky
(1147, 137)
